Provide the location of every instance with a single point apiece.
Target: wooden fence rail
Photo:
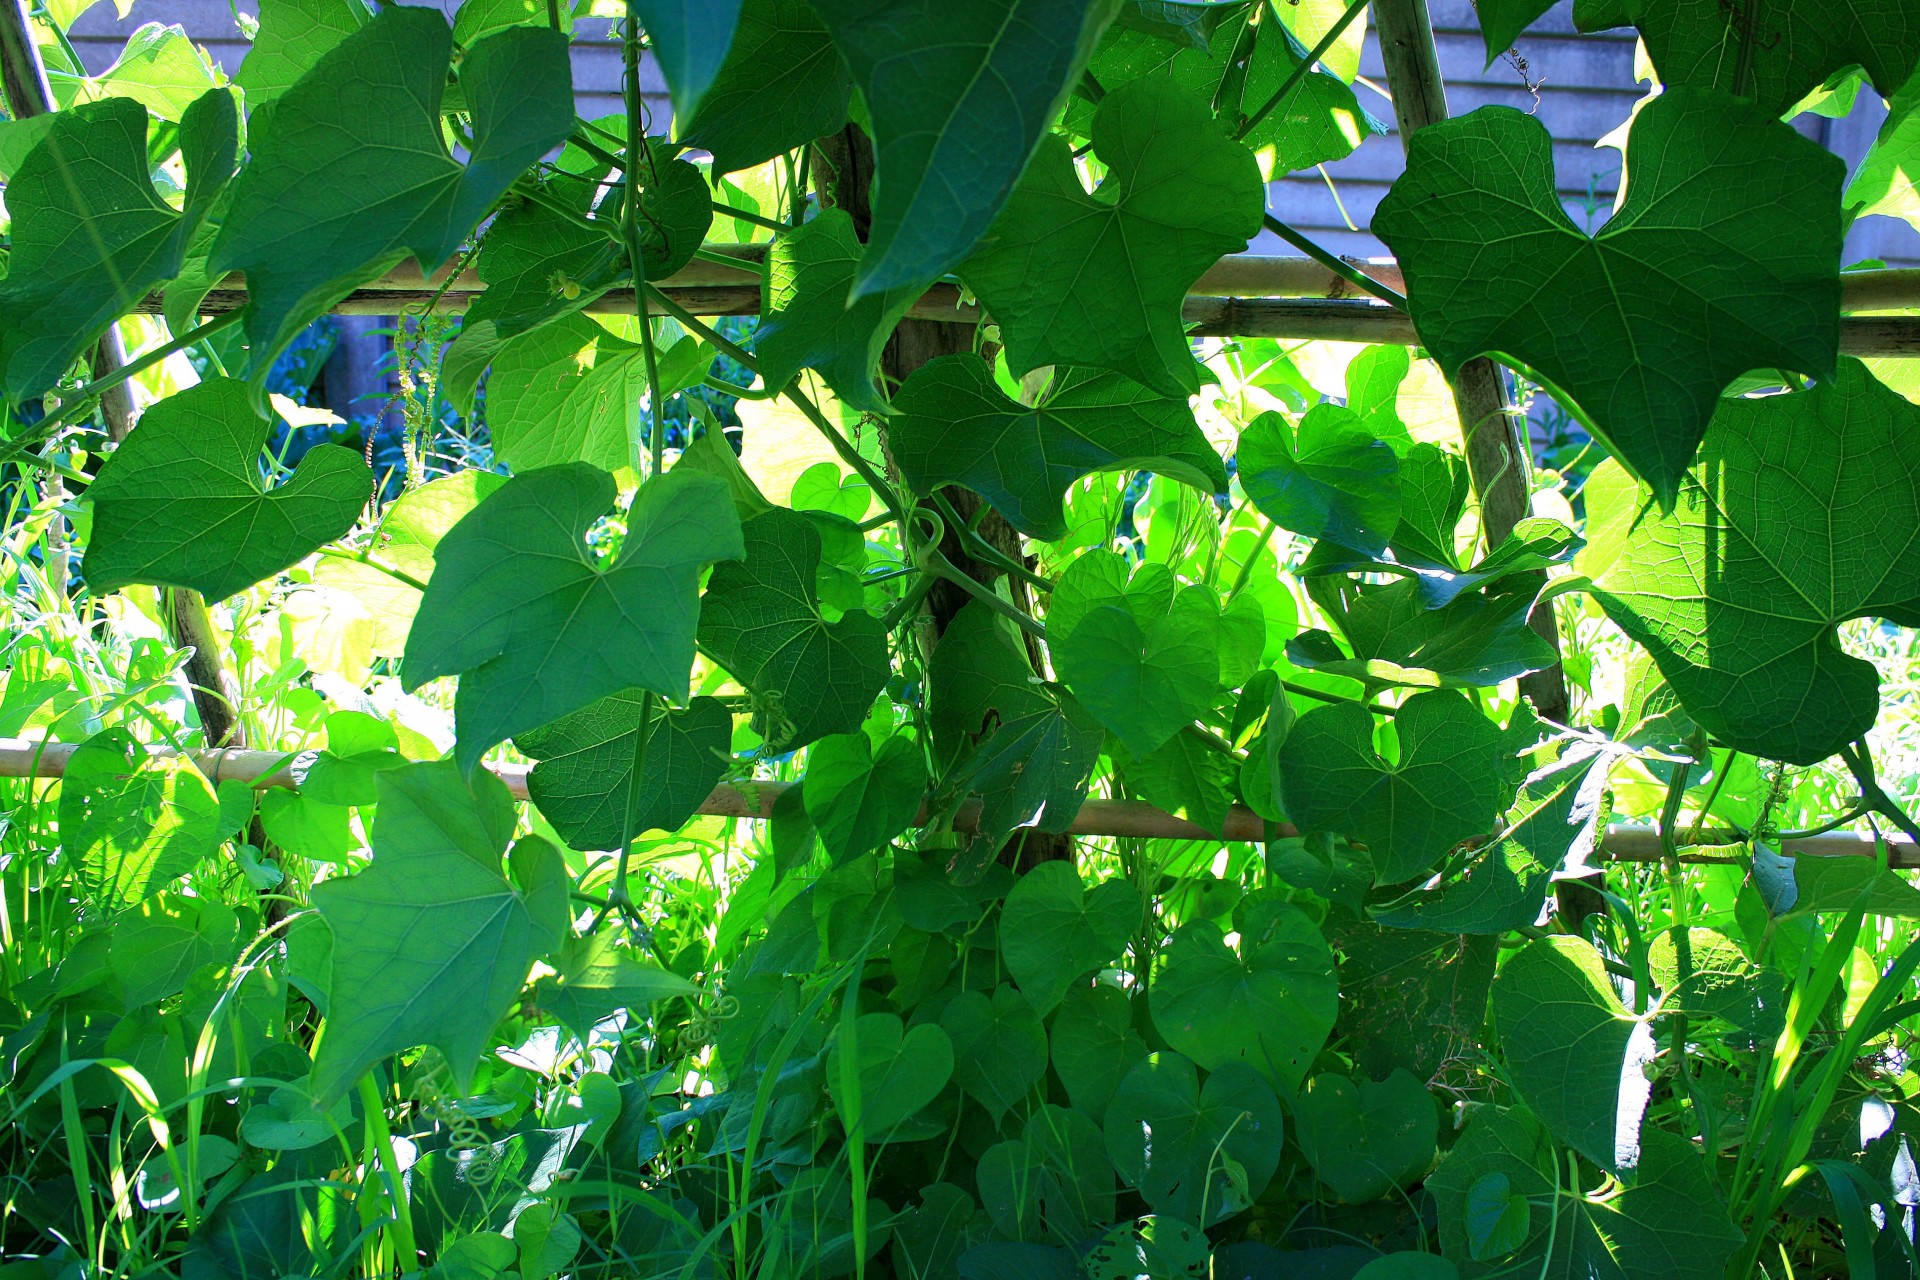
(27, 758)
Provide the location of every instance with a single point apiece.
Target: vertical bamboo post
(1497, 452)
(23, 75)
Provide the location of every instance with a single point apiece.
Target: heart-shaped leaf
(1167, 1134)
(1093, 1044)
(1268, 1004)
(1329, 478)
(858, 798)
(955, 426)
(1686, 288)
(1443, 785)
(131, 823)
(999, 1047)
(1054, 930)
(1099, 280)
(1798, 516)
(1368, 1139)
(181, 502)
(536, 627)
(1144, 682)
(1054, 1184)
(900, 1072)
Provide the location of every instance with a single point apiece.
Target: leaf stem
(1859, 762)
(1332, 262)
(368, 559)
(940, 566)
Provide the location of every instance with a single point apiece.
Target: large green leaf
(1799, 515)
(433, 942)
(1054, 930)
(1054, 1183)
(1167, 1133)
(181, 503)
(1093, 1044)
(594, 979)
(1328, 478)
(899, 1071)
(537, 627)
(1366, 1139)
(353, 176)
(1145, 682)
(958, 95)
(1442, 785)
(1032, 772)
(689, 39)
(764, 623)
(808, 322)
(859, 798)
(955, 426)
(1888, 179)
(1269, 1004)
(1239, 68)
(292, 37)
(1506, 884)
(584, 782)
(1574, 1054)
(782, 85)
(999, 1047)
(1396, 637)
(567, 392)
(1099, 280)
(1687, 287)
(91, 235)
(1670, 1221)
(1410, 1000)
(1792, 46)
(130, 823)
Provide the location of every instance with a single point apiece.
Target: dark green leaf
(782, 85)
(1032, 772)
(595, 979)
(899, 1072)
(1099, 280)
(353, 176)
(537, 627)
(1053, 930)
(1144, 682)
(1187, 776)
(955, 426)
(807, 321)
(1054, 1184)
(859, 798)
(432, 942)
(1094, 1044)
(1442, 785)
(1477, 639)
(958, 95)
(1326, 479)
(1410, 1000)
(1167, 1134)
(584, 782)
(1687, 287)
(999, 1047)
(764, 623)
(1367, 1139)
(689, 39)
(181, 502)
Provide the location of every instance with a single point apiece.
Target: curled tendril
(704, 1025)
(467, 1138)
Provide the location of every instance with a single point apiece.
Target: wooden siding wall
(1583, 88)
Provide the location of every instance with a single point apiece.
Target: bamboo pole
(28, 758)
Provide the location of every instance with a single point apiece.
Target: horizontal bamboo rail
(1245, 296)
(26, 758)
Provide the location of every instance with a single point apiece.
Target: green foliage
(1712, 181)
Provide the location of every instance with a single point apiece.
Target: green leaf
(91, 236)
(410, 529)
(180, 502)
(432, 943)
(958, 96)
(1144, 682)
(537, 627)
(1053, 930)
(1794, 520)
(1505, 885)
(1478, 639)
(807, 322)
(1167, 1134)
(1442, 784)
(979, 679)
(953, 425)
(1368, 1139)
(689, 40)
(1410, 1000)
(130, 823)
(353, 175)
(1502, 21)
(1094, 1044)
(900, 1072)
(1687, 287)
(1329, 478)
(1669, 1221)
(1099, 280)
(1574, 1054)
(595, 979)
(860, 799)
(292, 37)
(1793, 45)
(999, 1047)
(584, 782)
(1187, 776)
(1032, 772)
(1269, 1004)
(764, 624)
(160, 68)
(568, 391)
(1055, 1183)
(782, 85)
(164, 940)
(1888, 179)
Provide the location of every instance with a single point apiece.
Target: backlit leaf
(131, 823)
(808, 322)
(1327, 478)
